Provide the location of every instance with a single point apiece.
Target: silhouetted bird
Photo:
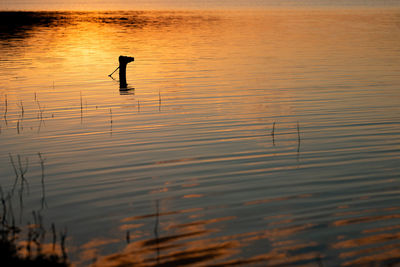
(123, 61)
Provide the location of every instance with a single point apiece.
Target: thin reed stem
(53, 230)
(298, 138)
(273, 134)
(63, 236)
(43, 201)
(128, 237)
(5, 106)
(159, 100)
(298, 132)
(21, 106)
(81, 107)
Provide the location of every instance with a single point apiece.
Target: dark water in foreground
(264, 138)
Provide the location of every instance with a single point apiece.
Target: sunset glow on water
(254, 138)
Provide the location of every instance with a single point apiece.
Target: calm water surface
(255, 138)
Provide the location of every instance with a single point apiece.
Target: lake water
(257, 138)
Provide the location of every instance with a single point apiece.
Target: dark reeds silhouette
(32, 250)
(16, 251)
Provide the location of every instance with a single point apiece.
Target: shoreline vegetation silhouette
(28, 245)
(25, 246)
(22, 24)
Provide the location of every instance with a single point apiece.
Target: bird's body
(123, 61)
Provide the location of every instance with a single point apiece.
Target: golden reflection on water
(165, 44)
(180, 249)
